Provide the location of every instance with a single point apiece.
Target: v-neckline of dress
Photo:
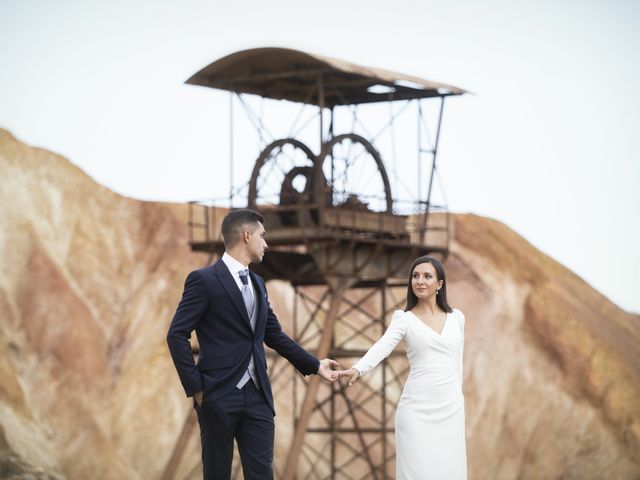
(444, 325)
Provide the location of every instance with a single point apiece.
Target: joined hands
(325, 371)
(352, 374)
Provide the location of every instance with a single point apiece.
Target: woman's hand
(352, 374)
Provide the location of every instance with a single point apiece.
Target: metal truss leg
(312, 388)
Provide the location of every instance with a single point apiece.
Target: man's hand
(198, 397)
(352, 374)
(325, 369)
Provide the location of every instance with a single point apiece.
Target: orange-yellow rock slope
(89, 281)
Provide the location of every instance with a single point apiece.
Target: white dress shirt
(235, 267)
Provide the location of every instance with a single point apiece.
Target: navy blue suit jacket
(212, 305)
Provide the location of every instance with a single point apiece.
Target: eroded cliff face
(552, 375)
(90, 280)
(88, 284)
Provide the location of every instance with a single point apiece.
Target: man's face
(256, 244)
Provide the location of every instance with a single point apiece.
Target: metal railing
(414, 222)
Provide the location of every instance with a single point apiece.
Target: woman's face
(424, 281)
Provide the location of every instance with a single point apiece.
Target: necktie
(246, 292)
(249, 302)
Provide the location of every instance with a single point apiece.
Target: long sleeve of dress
(383, 347)
(460, 358)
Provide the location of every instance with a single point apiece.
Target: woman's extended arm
(379, 350)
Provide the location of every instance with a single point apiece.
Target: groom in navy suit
(228, 307)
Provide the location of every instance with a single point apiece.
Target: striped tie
(246, 293)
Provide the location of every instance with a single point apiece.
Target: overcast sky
(548, 143)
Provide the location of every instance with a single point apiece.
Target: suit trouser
(246, 416)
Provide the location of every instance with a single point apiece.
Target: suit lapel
(231, 288)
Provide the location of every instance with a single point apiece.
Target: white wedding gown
(430, 432)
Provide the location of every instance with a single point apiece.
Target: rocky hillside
(89, 281)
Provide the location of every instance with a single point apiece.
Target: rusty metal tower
(338, 235)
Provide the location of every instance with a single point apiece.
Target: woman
(430, 433)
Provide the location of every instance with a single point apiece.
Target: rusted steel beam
(360, 434)
(312, 388)
(180, 446)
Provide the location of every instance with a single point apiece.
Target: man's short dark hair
(235, 222)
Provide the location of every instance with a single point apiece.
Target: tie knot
(243, 277)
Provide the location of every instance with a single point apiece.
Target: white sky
(548, 143)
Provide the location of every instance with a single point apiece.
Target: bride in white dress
(429, 424)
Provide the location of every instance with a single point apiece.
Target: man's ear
(245, 236)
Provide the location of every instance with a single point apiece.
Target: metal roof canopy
(286, 74)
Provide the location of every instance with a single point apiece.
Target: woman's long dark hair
(441, 297)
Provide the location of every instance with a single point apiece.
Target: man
(228, 307)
